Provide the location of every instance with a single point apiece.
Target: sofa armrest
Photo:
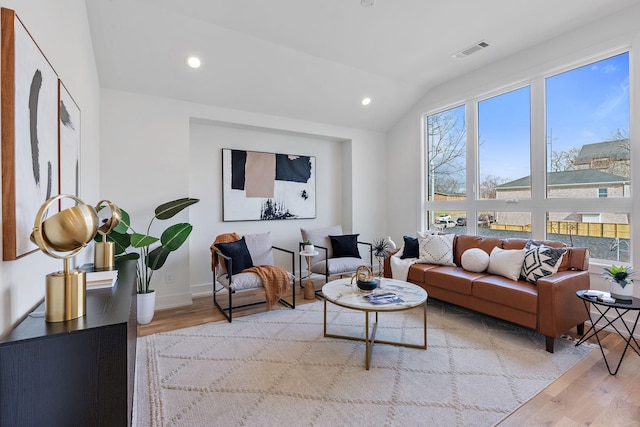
(559, 309)
(387, 263)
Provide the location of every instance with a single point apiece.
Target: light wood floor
(584, 395)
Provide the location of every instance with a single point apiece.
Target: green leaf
(156, 258)
(121, 241)
(125, 223)
(174, 236)
(142, 240)
(170, 209)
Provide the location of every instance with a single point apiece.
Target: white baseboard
(171, 301)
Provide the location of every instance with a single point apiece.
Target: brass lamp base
(66, 296)
(104, 255)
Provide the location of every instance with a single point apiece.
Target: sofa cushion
(520, 295)
(436, 249)
(259, 246)
(506, 263)
(464, 242)
(475, 259)
(320, 237)
(455, 279)
(417, 271)
(410, 248)
(344, 265)
(541, 261)
(345, 246)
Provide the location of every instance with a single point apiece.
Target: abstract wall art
(29, 92)
(69, 128)
(267, 186)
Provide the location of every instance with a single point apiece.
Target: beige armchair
(244, 266)
(338, 253)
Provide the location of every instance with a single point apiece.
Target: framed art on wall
(69, 129)
(29, 135)
(267, 186)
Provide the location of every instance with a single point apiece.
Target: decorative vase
(309, 249)
(391, 243)
(146, 307)
(619, 293)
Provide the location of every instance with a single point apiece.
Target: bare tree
(563, 160)
(447, 185)
(447, 150)
(488, 186)
(622, 166)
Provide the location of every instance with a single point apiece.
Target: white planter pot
(146, 307)
(309, 249)
(618, 292)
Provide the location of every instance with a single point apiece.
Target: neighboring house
(585, 183)
(607, 156)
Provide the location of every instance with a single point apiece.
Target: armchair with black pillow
(338, 253)
(250, 262)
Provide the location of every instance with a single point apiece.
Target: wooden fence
(592, 229)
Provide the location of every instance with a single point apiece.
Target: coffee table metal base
(370, 339)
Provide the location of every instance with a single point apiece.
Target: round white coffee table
(343, 293)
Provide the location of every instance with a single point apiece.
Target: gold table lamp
(67, 231)
(104, 251)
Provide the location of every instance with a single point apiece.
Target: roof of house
(574, 177)
(616, 150)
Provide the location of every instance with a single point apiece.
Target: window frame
(539, 204)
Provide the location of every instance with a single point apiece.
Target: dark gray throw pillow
(411, 248)
(238, 252)
(345, 246)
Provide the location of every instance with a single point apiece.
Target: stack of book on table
(99, 279)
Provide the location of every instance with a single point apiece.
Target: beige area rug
(277, 369)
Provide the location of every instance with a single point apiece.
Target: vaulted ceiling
(316, 60)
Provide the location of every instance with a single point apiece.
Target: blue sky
(584, 105)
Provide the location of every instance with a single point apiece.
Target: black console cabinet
(74, 373)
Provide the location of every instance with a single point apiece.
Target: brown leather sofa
(550, 306)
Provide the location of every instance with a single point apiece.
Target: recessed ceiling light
(193, 62)
(366, 101)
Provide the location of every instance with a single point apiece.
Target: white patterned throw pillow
(541, 261)
(436, 249)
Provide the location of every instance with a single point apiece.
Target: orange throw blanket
(276, 282)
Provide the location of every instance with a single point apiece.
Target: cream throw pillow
(507, 263)
(436, 249)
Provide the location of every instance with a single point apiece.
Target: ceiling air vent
(471, 49)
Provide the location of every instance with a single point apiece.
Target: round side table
(309, 289)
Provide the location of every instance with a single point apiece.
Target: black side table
(620, 309)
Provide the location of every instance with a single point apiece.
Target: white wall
(61, 30)
(157, 149)
(404, 140)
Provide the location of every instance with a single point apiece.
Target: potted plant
(380, 250)
(150, 259)
(308, 247)
(621, 284)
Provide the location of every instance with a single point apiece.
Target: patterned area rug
(276, 368)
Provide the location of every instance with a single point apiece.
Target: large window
(587, 128)
(550, 158)
(446, 139)
(504, 134)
